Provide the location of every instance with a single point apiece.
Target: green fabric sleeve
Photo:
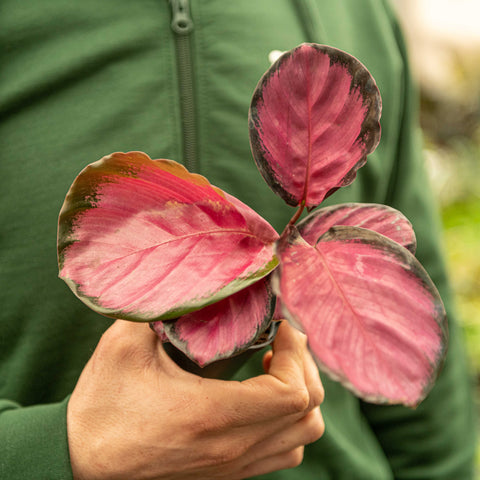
(436, 440)
(34, 442)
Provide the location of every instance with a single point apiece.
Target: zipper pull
(182, 22)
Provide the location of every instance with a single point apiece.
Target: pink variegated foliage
(146, 240)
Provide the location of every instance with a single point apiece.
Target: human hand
(134, 414)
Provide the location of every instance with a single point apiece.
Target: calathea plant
(146, 240)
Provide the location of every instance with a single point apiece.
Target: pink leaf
(159, 329)
(224, 329)
(373, 318)
(278, 313)
(313, 119)
(379, 218)
(145, 240)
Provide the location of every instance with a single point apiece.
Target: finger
(296, 342)
(314, 386)
(246, 434)
(281, 392)
(313, 381)
(288, 355)
(266, 361)
(303, 432)
(275, 463)
(277, 451)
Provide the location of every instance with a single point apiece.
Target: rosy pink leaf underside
(313, 119)
(225, 328)
(373, 318)
(379, 218)
(144, 240)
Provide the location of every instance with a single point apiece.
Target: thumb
(287, 360)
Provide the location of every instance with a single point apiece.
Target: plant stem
(295, 217)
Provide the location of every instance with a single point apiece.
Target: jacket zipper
(182, 26)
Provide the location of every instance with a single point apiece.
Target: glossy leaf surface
(379, 218)
(313, 119)
(145, 240)
(373, 318)
(225, 328)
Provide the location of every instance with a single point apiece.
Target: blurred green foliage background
(461, 221)
(451, 129)
(444, 45)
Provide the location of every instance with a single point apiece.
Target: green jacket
(82, 79)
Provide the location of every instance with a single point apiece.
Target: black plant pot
(222, 369)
